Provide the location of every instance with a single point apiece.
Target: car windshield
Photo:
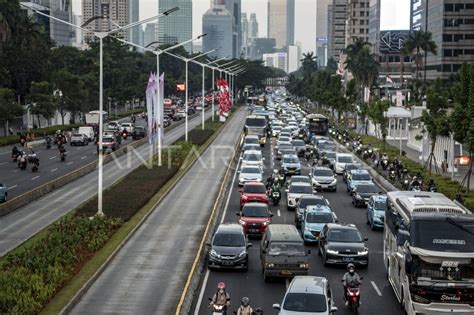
(254, 211)
(286, 147)
(252, 157)
(297, 189)
(287, 151)
(380, 205)
(344, 159)
(315, 217)
(77, 135)
(344, 236)
(290, 159)
(331, 155)
(305, 202)
(290, 249)
(251, 140)
(255, 122)
(300, 179)
(298, 143)
(305, 302)
(284, 139)
(350, 167)
(250, 170)
(254, 189)
(361, 177)
(323, 173)
(107, 139)
(367, 189)
(229, 240)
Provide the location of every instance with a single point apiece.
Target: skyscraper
(281, 22)
(357, 21)
(176, 27)
(245, 30)
(133, 16)
(322, 31)
(115, 10)
(235, 7)
(337, 13)
(218, 24)
(150, 34)
(294, 57)
(253, 26)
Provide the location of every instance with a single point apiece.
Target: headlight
(242, 222)
(242, 254)
(244, 197)
(333, 252)
(304, 266)
(363, 253)
(306, 228)
(265, 223)
(214, 253)
(269, 265)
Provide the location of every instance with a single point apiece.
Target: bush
(31, 276)
(38, 133)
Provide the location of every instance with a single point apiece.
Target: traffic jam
(306, 229)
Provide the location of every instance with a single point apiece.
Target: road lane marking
(201, 294)
(69, 163)
(36, 177)
(230, 192)
(82, 158)
(15, 171)
(53, 157)
(376, 288)
(54, 170)
(11, 187)
(78, 148)
(279, 213)
(3, 163)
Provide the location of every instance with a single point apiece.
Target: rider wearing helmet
(245, 308)
(221, 297)
(350, 279)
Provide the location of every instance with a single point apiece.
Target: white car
(295, 191)
(126, 126)
(341, 160)
(250, 174)
(251, 139)
(252, 158)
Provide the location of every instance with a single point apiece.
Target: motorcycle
(353, 296)
(124, 135)
(392, 174)
(218, 309)
(48, 143)
(22, 163)
(276, 196)
(35, 167)
(384, 164)
(62, 156)
(432, 188)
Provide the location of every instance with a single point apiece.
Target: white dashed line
(53, 157)
(15, 171)
(12, 187)
(69, 163)
(376, 288)
(78, 148)
(3, 163)
(279, 213)
(54, 170)
(36, 177)
(82, 158)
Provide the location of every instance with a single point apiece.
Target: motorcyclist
(62, 150)
(431, 185)
(245, 308)
(350, 279)
(15, 152)
(415, 182)
(35, 162)
(221, 297)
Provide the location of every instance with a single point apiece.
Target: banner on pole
(152, 108)
(223, 97)
(161, 107)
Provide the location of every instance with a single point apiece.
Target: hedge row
(444, 184)
(31, 275)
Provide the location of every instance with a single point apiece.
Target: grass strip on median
(56, 279)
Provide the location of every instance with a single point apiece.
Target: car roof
(364, 182)
(318, 208)
(312, 197)
(250, 166)
(256, 204)
(251, 136)
(344, 154)
(252, 152)
(381, 197)
(308, 284)
(290, 156)
(231, 228)
(284, 232)
(319, 168)
(292, 179)
(300, 184)
(342, 226)
(359, 171)
(254, 184)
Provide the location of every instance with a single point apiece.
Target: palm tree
(9, 11)
(309, 64)
(417, 41)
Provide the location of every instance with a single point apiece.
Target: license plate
(291, 171)
(227, 263)
(254, 230)
(324, 186)
(286, 273)
(348, 259)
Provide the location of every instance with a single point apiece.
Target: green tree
(41, 101)
(309, 64)
(416, 42)
(331, 66)
(9, 109)
(69, 92)
(376, 112)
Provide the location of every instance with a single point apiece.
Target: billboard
(391, 42)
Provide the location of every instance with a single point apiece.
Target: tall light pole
(101, 35)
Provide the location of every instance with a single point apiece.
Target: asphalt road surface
(21, 224)
(377, 296)
(149, 273)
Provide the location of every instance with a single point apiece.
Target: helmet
(221, 285)
(275, 171)
(350, 266)
(245, 301)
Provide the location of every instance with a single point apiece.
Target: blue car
(355, 176)
(376, 211)
(290, 165)
(3, 192)
(315, 218)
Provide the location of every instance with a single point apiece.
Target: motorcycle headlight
(333, 252)
(364, 252)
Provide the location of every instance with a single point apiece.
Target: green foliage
(42, 100)
(376, 112)
(309, 64)
(417, 41)
(331, 66)
(9, 109)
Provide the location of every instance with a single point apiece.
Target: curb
(83, 290)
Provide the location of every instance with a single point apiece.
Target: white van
(88, 131)
(341, 160)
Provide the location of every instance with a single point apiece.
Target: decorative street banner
(151, 107)
(223, 97)
(161, 106)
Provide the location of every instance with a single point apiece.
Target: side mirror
(366, 239)
(249, 245)
(276, 306)
(333, 309)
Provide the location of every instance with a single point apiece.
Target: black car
(138, 132)
(343, 244)
(349, 167)
(304, 202)
(300, 147)
(229, 248)
(362, 192)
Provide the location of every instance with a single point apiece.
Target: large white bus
(429, 253)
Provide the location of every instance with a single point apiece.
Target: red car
(253, 192)
(254, 218)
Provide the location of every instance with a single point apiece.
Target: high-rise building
(253, 26)
(374, 24)
(337, 13)
(281, 22)
(77, 20)
(276, 60)
(235, 8)
(322, 32)
(357, 21)
(245, 30)
(259, 46)
(451, 24)
(61, 33)
(134, 16)
(150, 34)
(115, 10)
(218, 24)
(178, 26)
(294, 57)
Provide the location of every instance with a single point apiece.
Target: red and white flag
(388, 78)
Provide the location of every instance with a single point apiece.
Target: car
(276, 130)
(113, 125)
(326, 145)
(349, 167)
(138, 132)
(229, 248)
(315, 217)
(307, 295)
(341, 160)
(109, 144)
(298, 179)
(281, 147)
(286, 140)
(342, 244)
(126, 126)
(362, 191)
(323, 178)
(290, 165)
(254, 218)
(3, 192)
(306, 201)
(376, 208)
(331, 157)
(250, 174)
(295, 191)
(251, 147)
(178, 116)
(253, 157)
(300, 147)
(253, 192)
(357, 176)
(251, 139)
(286, 134)
(79, 138)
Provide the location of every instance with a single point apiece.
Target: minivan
(282, 252)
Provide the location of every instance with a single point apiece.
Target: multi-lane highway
(21, 224)
(377, 295)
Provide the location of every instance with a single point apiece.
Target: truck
(256, 125)
(92, 117)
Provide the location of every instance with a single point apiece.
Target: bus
(428, 251)
(317, 124)
(256, 125)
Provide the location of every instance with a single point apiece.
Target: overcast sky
(395, 15)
